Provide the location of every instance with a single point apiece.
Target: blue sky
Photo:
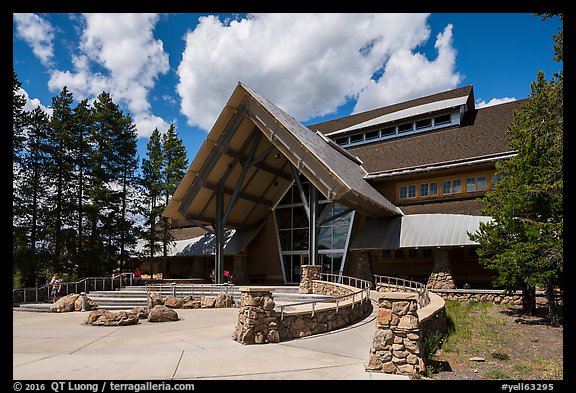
(181, 68)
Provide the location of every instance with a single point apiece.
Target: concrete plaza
(59, 346)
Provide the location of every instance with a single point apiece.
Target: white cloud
(409, 75)
(33, 103)
(123, 45)
(38, 33)
(494, 101)
(310, 64)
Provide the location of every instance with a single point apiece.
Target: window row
(393, 131)
(447, 187)
(410, 253)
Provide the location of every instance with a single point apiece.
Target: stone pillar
(360, 265)
(396, 346)
(308, 273)
(441, 277)
(257, 321)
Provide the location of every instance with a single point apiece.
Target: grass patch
(500, 356)
(497, 374)
(481, 329)
(474, 328)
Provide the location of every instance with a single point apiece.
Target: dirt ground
(516, 348)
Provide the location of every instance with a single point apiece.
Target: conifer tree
(524, 243)
(30, 212)
(175, 164)
(60, 177)
(152, 182)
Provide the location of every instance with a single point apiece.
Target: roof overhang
(247, 156)
(418, 230)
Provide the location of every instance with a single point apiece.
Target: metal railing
(362, 294)
(179, 290)
(42, 293)
(407, 285)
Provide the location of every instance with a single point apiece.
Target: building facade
(392, 191)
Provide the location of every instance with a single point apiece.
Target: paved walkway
(58, 346)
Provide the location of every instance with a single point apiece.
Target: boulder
(65, 304)
(161, 313)
(154, 299)
(111, 318)
(208, 301)
(174, 302)
(224, 300)
(88, 306)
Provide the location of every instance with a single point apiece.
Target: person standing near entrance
(56, 286)
(138, 276)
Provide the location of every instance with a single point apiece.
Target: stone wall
(259, 322)
(303, 324)
(495, 297)
(331, 289)
(397, 344)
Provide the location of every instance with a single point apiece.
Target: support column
(219, 232)
(441, 277)
(312, 227)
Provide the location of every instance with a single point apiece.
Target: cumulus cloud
(33, 103)
(494, 101)
(38, 33)
(123, 45)
(308, 64)
(410, 75)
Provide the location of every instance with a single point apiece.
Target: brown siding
(262, 253)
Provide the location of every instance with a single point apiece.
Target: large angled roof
(253, 144)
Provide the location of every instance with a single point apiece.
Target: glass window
(427, 253)
(403, 192)
(434, 188)
(386, 254)
(399, 254)
(456, 186)
(446, 187)
(412, 191)
(470, 184)
(388, 131)
(372, 135)
(356, 138)
(481, 183)
(405, 127)
(423, 123)
(442, 119)
(342, 141)
(413, 253)
(494, 180)
(424, 189)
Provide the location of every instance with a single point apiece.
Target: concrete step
(129, 297)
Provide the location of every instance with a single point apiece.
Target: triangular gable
(247, 156)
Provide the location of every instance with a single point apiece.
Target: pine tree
(31, 210)
(175, 164)
(152, 182)
(19, 119)
(60, 175)
(524, 243)
(80, 154)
